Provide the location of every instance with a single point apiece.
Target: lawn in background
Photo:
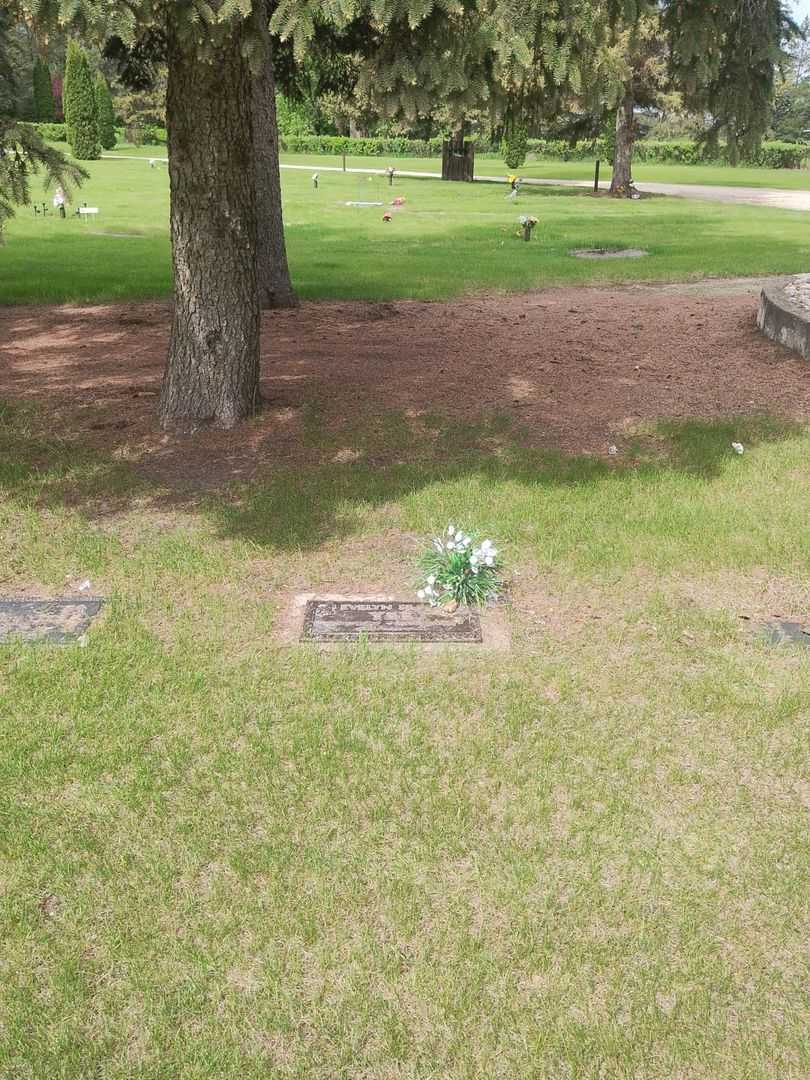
(713, 175)
(585, 857)
(553, 169)
(449, 239)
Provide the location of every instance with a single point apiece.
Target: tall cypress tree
(79, 102)
(105, 113)
(44, 108)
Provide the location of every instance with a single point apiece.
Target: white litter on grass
(613, 450)
(85, 586)
(364, 204)
(738, 448)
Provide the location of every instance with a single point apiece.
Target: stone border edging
(783, 321)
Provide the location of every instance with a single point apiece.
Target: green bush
(80, 105)
(51, 132)
(145, 134)
(782, 155)
(152, 135)
(514, 148)
(105, 114)
(294, 118)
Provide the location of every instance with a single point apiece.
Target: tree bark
(458, 156)
(212, 374)
(275, 287)
(622, 182)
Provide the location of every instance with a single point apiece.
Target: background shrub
(514, 148)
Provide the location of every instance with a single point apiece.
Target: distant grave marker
(608, 253)
(782, 631)
(46, 620)
(388, 621)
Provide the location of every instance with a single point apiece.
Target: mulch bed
(575, 368)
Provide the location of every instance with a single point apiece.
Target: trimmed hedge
(150, 134)
(772, 155)
(388, 146)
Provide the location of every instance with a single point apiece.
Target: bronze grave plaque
(388, 621)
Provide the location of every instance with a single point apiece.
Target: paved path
(775, 197)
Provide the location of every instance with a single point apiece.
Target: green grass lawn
(713, 175)
(585, 857)
(449, 239)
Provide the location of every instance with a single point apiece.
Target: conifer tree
(105, 114)
(44, 107)
(726, 55)
(79, 103)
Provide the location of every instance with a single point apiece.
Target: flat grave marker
(56, 621)
(388, 621)
(783, 631)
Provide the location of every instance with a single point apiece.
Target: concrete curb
(783, 321)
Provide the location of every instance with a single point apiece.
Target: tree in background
(791, 113)
(44, 108)
(725, 57)
(634, 69)
(791, 109)
(79, 104)
(273, 274)
(105, 115)
(797, 66)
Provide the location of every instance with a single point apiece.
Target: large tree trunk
(275, 287)
(622, 182)
(458, 156)
(212, 375)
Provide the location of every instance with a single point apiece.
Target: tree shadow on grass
(300, 508)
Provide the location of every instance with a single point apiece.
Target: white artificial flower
(451, 530)
(489, 560)
(451, 546)
(432, 579)
(421, 594)
(459, 536)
